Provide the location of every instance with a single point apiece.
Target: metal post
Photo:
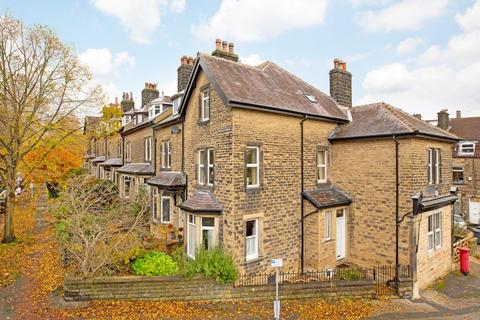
(276, 304)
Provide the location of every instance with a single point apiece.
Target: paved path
(456, 297)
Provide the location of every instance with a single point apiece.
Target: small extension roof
(113, 162)
(381, 119)
(137, 168)
(169, 179)
(326, 196)
(201, 201)
(98, 159)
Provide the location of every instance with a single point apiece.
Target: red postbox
(464, 263)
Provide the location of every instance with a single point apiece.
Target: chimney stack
(459, 114)
(225, 50)
(149, 93)
(443, 119)
(184, 71)
(127, 103)
(418, 116)
(341, 83)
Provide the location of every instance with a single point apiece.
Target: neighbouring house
(256, 160)
(95, 149)
(466, 162)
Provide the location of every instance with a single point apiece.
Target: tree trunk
(8, 231)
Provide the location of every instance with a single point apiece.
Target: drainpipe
(302, 247)
(397, 221)
(154, 141)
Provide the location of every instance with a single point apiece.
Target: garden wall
(199, 288)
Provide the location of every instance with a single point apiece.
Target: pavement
(454, 297)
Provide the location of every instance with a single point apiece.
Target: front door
(474, 212)
(341, 234)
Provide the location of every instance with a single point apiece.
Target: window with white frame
(322, 166)
(176, 105)
(210, 167)
(119, 149)
(166, 154)
(458, 175)
(205, 105)
(208, 232)
(191, 242)
(154, 110)
(128, 151)
(252, 167)
(434, 166)
(201, 167)
(328, 225)
(148, 149)
(165, 209)
(434, 231)
(126, 186)
(155, 204)
(251, 239)
(467, 148)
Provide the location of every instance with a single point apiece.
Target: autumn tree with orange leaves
(42, 84)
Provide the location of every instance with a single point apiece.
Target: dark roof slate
(381, 119)
(326, 196)
(112, 162)
(267, 86)
(137, 168)
(98, 159)
(201, 201)
(169, 179)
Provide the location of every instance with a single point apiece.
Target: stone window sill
(253, 260)
(253, 189)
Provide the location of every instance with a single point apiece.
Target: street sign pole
(277, 264)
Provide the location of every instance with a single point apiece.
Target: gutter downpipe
(397, 222)
(154, 158)
(183, 159)
(302, 249)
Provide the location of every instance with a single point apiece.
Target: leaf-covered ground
(31, 275)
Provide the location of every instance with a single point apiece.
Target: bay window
(191, 242)
(208, 232)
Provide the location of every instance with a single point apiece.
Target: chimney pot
(230, 47)
(459, 114)
(190, 61)
(218, 43)
(224, 45)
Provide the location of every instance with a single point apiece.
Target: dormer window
(135, 120)
(154, 110)
(125, 119)
(176, 105)
(467, 148)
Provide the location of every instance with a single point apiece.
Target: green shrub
(155, 263)
(349, 274)
(61, 230)
(211, 263)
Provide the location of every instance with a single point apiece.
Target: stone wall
(175, 288)
(137, 141)
(470, 189)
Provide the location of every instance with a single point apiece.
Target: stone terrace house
(95, 150)
(138, 141)
(262, 163)
(466, 162)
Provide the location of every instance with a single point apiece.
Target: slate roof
(99, 159)
(381, 119)
(467, 128)
(266, 87)
(326, 196)
(201, 201)
(137, 168)
(161, 99)
(113, 162)
(169, 179)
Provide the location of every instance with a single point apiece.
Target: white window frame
(191, 226)
(435, 233)
(148, 149)
(208, 228)
(210, 166)
(328, 225)
(154, 204)
(253, 238)
(176, 105)
(126, 195)
(254, 165)
(201, 167)
(166, 154)
(470, 144)
(434, 166)
(205, 106)
(458, 169)
(166, 197)
(323, 166)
